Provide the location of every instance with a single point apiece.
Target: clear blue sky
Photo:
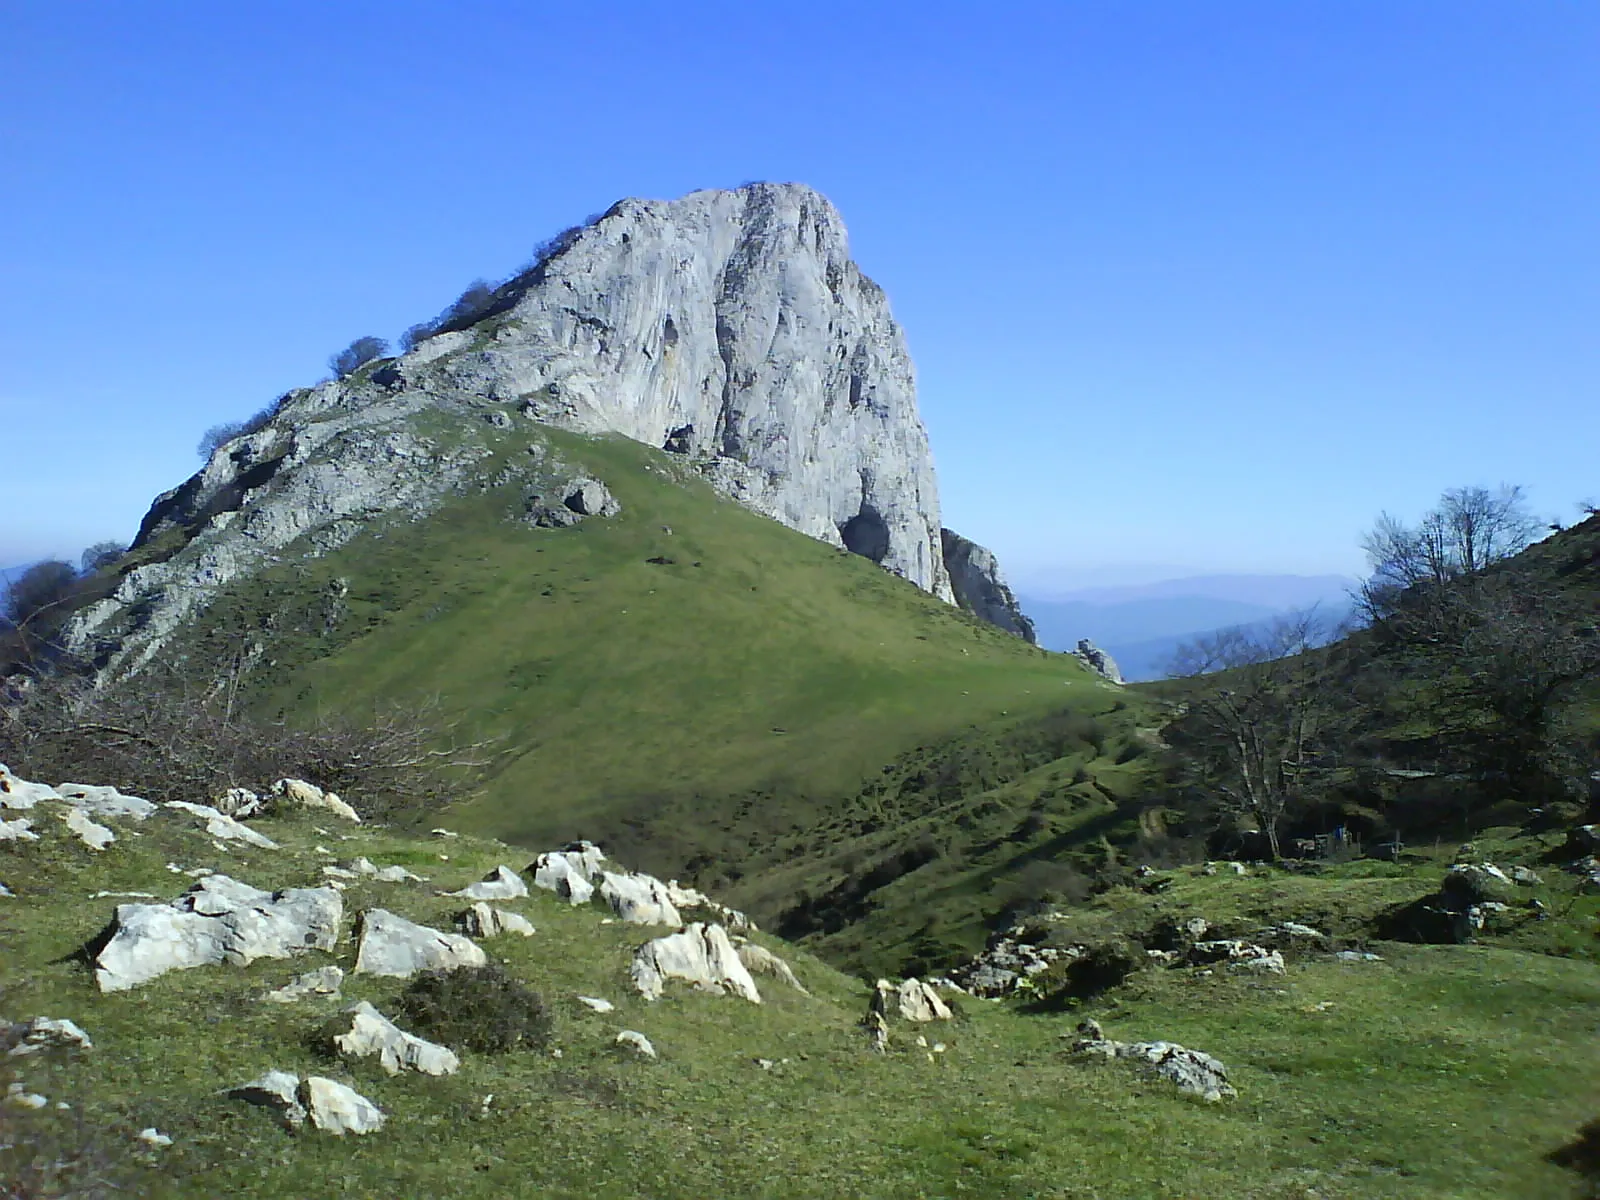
(1203, 286)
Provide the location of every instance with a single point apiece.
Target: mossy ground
(1439, 1072)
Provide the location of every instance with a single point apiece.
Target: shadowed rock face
(979, 586)
(729, 327)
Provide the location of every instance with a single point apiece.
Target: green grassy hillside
(1441, 1071)
(702, 688)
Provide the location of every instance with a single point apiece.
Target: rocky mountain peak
(730, 328)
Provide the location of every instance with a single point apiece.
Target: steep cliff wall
(729, 327)
(979, 586)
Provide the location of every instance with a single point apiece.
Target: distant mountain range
(1143, 625)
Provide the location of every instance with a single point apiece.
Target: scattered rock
(396, 947)
(761, 961)
(1005, 965)
(238, 803)
(701, 955)
(309, 795)
(912, 999)
(502, 883)
(877, 1029)
(276, 1091)
(20, 830)
(482, 921)
(324, 981)
(1524, 877)
(42, 1034)
(1476, 882)
(222, 827)
(597, 1004)
(637, 1041)
(590, 498)
(219, 920)
(390, 874)
(337, 1109)
(1238, 953)
(151, 1137)
(105, 802)
(1097, 660)
(690, 899)
(18, 1096)
(1193, 1071)
(1356, 956)
(92, 835)
(371, 1033)
(639, 899)
(21, 795)
(1585, 839)
(1238, 868)
(567, 871)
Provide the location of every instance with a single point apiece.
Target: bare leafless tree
(1256, 735)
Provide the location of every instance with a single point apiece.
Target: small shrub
(476, 1008)
(357, 355)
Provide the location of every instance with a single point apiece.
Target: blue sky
(1190, 287)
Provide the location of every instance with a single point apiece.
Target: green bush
(477, 1008)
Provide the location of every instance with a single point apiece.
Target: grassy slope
(719, 708)
(1441, 1072)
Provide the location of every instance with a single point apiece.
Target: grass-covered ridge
(1441, 1071)
(697, 686)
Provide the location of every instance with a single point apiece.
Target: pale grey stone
(640, 899)
(912, 1000)
(324, 981)
(1193, 1071)
(238, 803)
(219, 920)
(597, 1004)
(484, 921)
(590, 498)
(758, 960)
(91, 834)
(1526, 877)
(637, 1042)
(337, 1109)
(21, 795)
(371, 1033)
(980, 586)
(42, 1034)
(569, 872)
(106, 802)
(20, 830)
(502, 883)
(396, 947)
(298, 792)
(1097, 660)
(154, 1138)
(224, 828)
(700, 955)
(276, 1091)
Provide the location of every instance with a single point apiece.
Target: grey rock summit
(731, 328)
(979, 586)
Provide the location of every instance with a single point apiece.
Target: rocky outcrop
(485, 921)
(371, 1034)
(758, 960)
(1193, 1071)
(912, 1000)
(700, 955)
(399, 948)
(222, 827)
(42, 1034)
(218, 920)
(323, 982)
(299, 793)
(1097, 660)
(502, 883)
(639, 899)
(980, 588)
(731, 328)
(331, 1106)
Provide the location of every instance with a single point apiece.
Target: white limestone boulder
(637, 1042)
(86, 829)
(372, 1034)
(222, 827)
(278, 1093)
(42, 1034)
(565, 873)
(1193, 1071)
(912, 1000)
(758, 960)
(337, 1109)
(484, 921)
(19, 830)
(20, 794)
(300, 794)
(238, 803)
(219, 920)
(106, 802)
(502, 883)
(323, 982)
(398, 948)
(639, 899)
(699, 955)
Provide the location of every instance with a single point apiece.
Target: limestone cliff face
(979, 586)
(729, 327)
